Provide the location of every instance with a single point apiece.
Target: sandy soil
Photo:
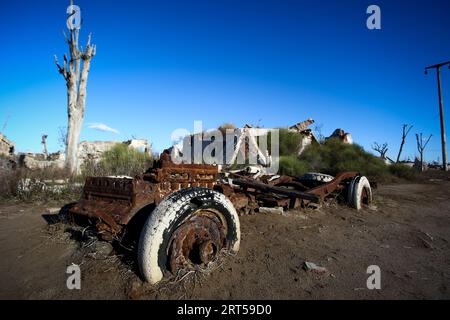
(406, 233)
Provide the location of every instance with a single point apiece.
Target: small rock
(53, 210)
(277, 210)
(426, 244)
(310, 266)
(103, 248)
(135, 290)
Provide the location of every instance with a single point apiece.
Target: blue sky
(161, 65)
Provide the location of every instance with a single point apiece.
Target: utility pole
(441, 109)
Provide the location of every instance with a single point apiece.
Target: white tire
(170, 215)
(359, 192)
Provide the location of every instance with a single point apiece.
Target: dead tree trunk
(421, 147)
(405, 133)
(75, 71)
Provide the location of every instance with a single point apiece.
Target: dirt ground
(406, 233)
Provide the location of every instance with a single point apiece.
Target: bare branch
(65, 36)
(405, 132)
(381, 149)
(421, 147)
(62, 70)
(428, 140)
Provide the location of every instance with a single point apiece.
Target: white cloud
(102, 127)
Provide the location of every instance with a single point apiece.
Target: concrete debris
(276, 210)
(342, 135)
(310, 266)
(35, 161)
(28, 185)
(103, 248)
(302, 126)
(7, 147)
(308, 136)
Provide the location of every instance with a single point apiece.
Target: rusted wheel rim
(196, 242)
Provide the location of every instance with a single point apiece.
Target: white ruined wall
(93, 150)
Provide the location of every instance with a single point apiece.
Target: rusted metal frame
(189, 173)
(324, 190)
(277, 190)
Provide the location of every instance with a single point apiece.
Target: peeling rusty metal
(114, 201)
(332, 186)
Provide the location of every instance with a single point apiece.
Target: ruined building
(93, 150)
(308, 136)
(87, 151)
(7, 148)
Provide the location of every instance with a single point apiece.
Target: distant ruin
(87, 150)
(7, 147)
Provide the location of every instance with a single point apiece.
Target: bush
(333, 157)
(330, 157)
(293, 166)
(289, 142)
(120, 160)
(402, 171)
(48, 184)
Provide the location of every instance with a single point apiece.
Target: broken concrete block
(310, 266)
(103, 248)
(276, 210)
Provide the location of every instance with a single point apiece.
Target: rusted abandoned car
(191, 211)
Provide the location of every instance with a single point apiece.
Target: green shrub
(289, 142)
(120, 160)
(293, 166)
(402, 171)
(333, 157)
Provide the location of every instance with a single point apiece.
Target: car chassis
(112, 203)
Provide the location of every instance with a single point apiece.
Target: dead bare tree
(381, 149)
(405, 132)
(421, 147)
(75, 71)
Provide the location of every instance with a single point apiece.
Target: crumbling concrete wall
(87, 150)
(140, 144)
(34, 161)
(7, 147)
(308, 136)
(93, 150)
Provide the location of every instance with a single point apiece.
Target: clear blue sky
(160, 65)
